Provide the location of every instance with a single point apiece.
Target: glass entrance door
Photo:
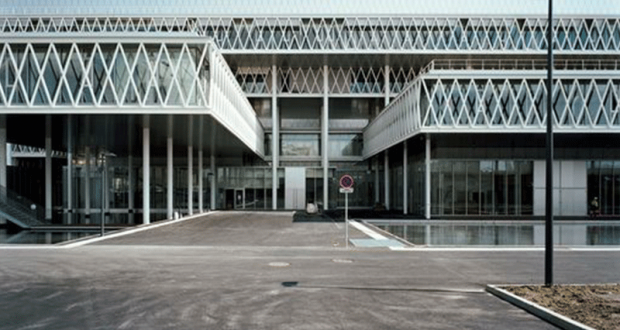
(239, 199)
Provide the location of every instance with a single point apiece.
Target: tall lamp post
(549, 163)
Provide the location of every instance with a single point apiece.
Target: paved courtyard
(235, 270)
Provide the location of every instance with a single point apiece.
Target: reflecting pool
(502, 233)
(43, 237)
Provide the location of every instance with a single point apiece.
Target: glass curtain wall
(362, 195)
(247, 188)
(481, 187)
(604, 183)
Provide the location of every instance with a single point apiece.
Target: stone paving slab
(248, 278)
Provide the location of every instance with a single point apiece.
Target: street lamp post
(549, 163)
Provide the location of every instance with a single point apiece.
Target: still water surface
(496, 233)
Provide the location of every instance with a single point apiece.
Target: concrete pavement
(262, 271)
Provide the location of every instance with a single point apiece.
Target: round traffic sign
(346, 181)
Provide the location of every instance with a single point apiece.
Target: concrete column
(9, 154)
(377, 189)
(87, 184)
(190, 166)
(146, 170)
(325, 137)
(48, 167)
(275, 137)
(3, 156)
(427, 180)
(213, 180)
(405, 178)
(69, 169)
(386, 177)
(130, 176)
(386, 76)
(170, 170)
(200, 169)
(3, 151)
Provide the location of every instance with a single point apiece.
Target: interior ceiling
(404, 60)
(122, 134)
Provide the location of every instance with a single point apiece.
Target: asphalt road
(262, 271)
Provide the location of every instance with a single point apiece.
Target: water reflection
(447, 233)
(42, 237)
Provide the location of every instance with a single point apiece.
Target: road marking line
(369, 232)
(133, 230)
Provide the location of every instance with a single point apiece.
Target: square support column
(69, 194)
(386, 177)
(325, 138)
(427, 180)
(3, 156)
(405, 178)
(146, 170)
(190, 167)
(170, 169)
(377, 188)
(212, 205)
(200, 165)
(86, 170)
(275, 137)
(48, 167)
(130, 173)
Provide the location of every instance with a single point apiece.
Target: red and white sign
(346, 181)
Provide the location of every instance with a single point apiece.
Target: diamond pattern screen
(495, 104)
(350, 33)
(104, 74)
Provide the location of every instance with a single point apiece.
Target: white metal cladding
(496, 101)
(351, 33)
(232, 108)
(103, 75)
(311, 8)
(131, 76)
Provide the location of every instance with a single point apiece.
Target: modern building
(140, 109)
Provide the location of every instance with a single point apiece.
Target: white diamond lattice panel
(363, 33)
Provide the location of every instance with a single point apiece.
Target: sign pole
(346, 187)
(346, 219)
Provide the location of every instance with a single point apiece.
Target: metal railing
(20, 210)
(520, 64)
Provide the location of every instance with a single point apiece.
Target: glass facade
(300, 145)
(481, 187)
(247, 188)
(87, 74)
(604, 183)
(345, 145)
